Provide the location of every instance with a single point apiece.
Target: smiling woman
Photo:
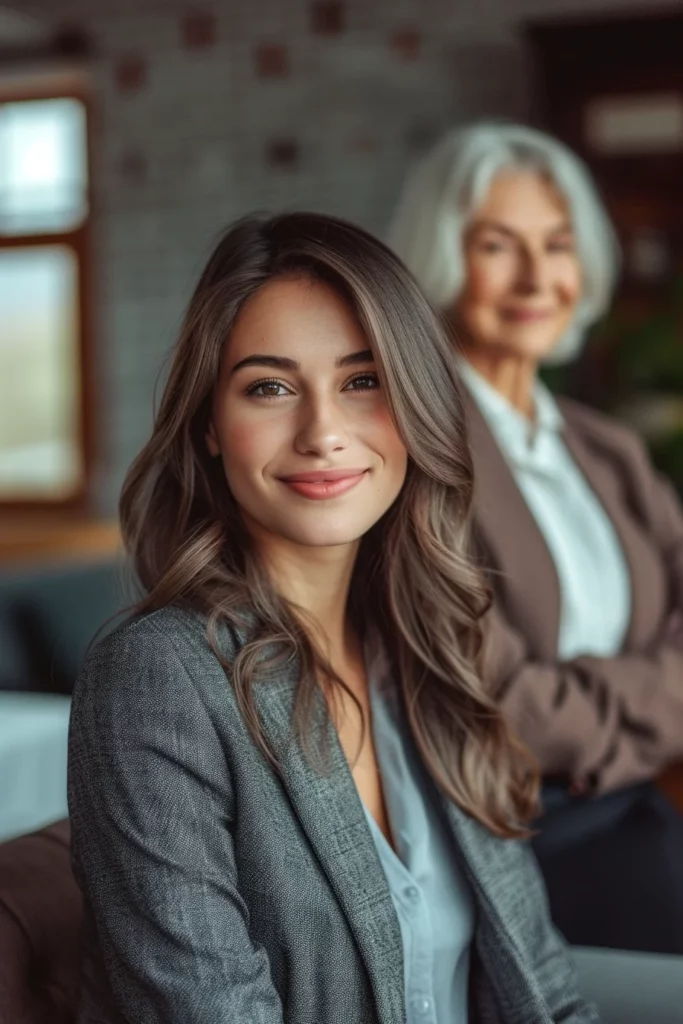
(319, 431)
(582, 539)
(292, 798)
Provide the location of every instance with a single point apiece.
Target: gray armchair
(632, 988)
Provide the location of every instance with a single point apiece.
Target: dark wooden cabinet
(612, 89)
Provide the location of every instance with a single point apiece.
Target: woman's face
(309, 449)
(523, 279)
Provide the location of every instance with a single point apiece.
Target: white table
(33, 745)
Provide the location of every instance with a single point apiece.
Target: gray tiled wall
(205, 111)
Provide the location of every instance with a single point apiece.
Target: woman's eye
(267, 389)
(491, 247)
(363, 382)
(563, 245)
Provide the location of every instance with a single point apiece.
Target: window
(44, 215)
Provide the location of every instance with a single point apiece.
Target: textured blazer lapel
(605, 484)
(510, 533)
(483, 859)
(330, 812)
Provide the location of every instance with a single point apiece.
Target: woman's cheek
(248, 441)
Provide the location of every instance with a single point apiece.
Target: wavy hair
(449, 183)
(413, 580)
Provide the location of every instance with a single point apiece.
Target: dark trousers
(613, 867)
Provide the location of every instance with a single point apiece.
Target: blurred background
(132, 131)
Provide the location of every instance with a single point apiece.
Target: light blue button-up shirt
(433, 902)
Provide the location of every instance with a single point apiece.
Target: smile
(324, 484)
(528, 316)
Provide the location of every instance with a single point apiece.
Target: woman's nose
(532, 273)
(321, 429)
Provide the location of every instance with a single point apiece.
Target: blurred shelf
(29, 540)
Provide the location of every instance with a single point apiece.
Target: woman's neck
(511, 375)
(317, 581)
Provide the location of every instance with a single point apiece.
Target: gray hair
(446, 187)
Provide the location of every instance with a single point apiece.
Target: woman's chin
(313, 535)
(325, 538)
(534, 343)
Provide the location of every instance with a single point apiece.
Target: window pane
(43, 166)
(39, 373)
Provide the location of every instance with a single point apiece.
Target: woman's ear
(212, 441)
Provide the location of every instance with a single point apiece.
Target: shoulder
(595, 423)
(171, 632)
(601, 430)
(157, 663)
(152, 714)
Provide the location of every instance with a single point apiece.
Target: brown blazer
(600, 722)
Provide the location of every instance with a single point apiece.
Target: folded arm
(604, 722)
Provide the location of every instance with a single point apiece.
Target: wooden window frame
(64, 85)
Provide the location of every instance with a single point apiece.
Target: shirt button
(413, 893)
(423, 1005)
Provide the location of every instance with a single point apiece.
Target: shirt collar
(515, 433)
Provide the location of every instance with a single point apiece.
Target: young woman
(504, 230)
(292, 799)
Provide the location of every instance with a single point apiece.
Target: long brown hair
(413, 577)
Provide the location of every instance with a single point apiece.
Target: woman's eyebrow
(562, 228)
(284, 363)
(492, 225)
(277, 362)
(354, 358)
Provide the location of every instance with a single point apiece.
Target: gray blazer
(217, 892)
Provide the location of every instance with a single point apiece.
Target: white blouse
(595, 586)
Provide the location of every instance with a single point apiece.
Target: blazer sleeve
(150, 805)
(546, 949)
(603, 722)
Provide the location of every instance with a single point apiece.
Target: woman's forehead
(296, 318)
(523, 198)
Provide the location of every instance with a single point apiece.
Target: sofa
(49, 614)
(40, 913)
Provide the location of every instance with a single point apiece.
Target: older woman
(583, 540)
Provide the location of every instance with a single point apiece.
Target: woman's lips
(324, 483)
(528, 316)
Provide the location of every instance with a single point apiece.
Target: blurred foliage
(650, 353)
(667, 455)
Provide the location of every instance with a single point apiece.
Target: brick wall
(207, 111)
